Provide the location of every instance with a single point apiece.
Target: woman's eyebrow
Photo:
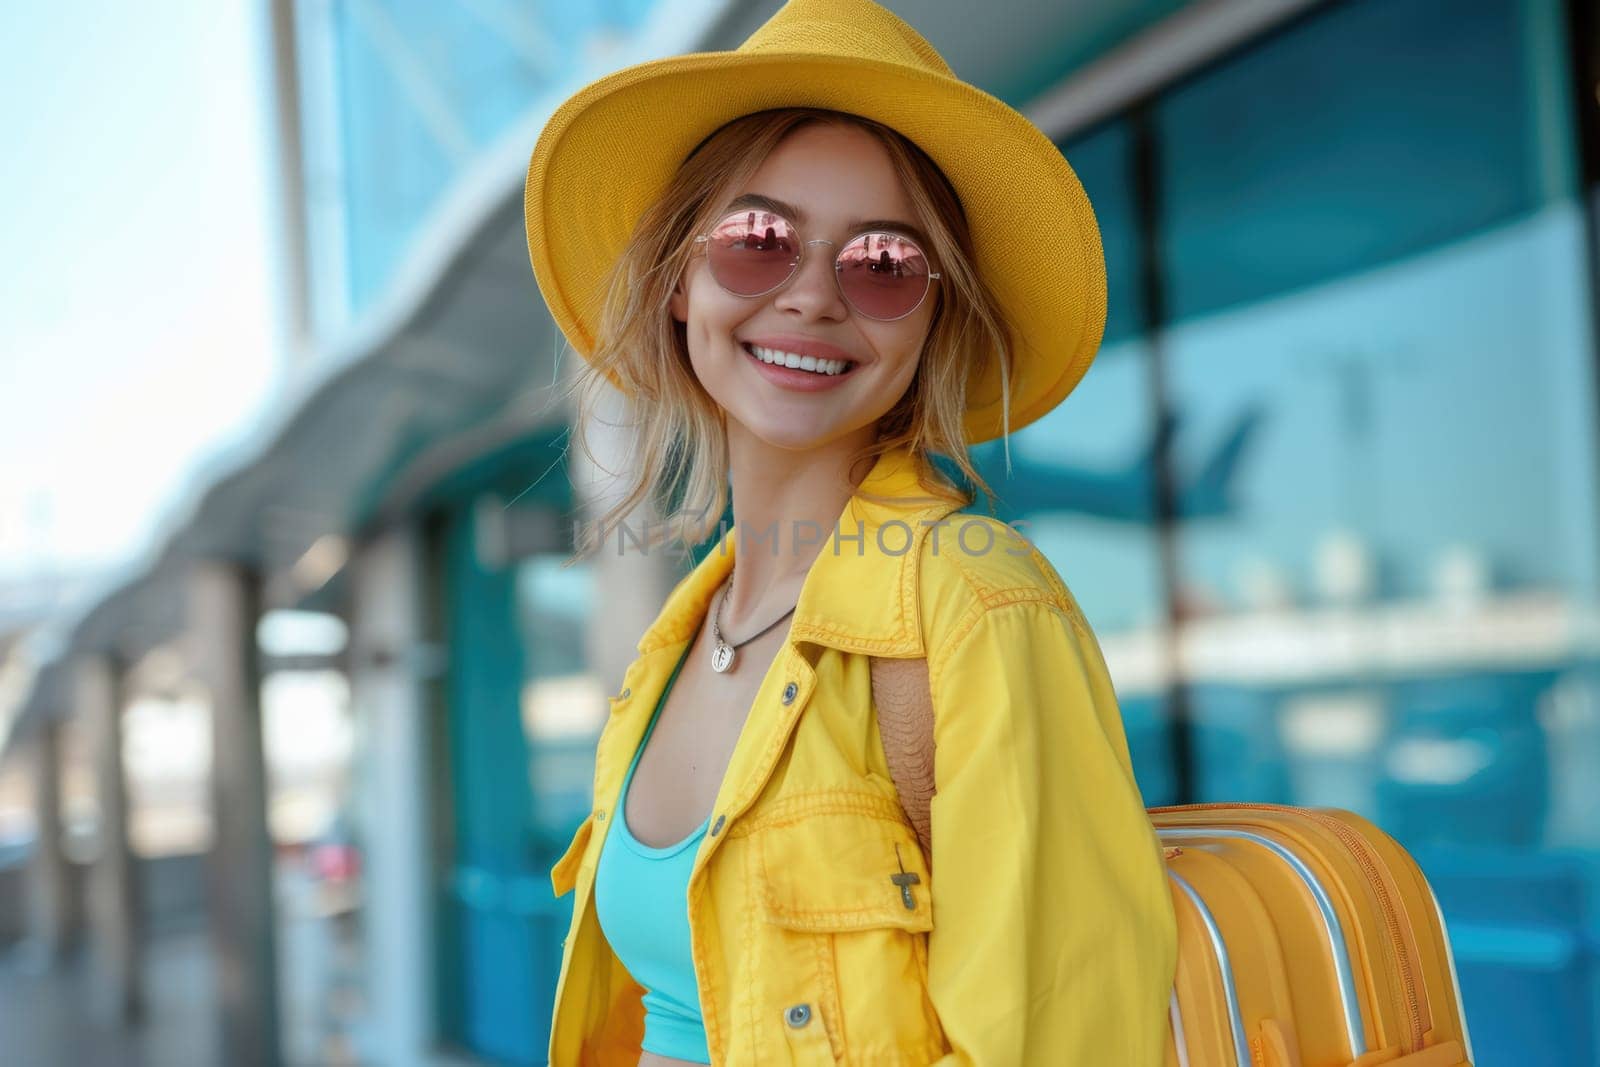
(780, 207)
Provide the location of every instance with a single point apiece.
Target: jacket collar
(860, 594)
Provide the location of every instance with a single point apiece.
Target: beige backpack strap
(905, 722)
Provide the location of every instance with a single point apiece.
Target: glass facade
(520, 710)
(400, 97)
(1349, 285)
(563, 700)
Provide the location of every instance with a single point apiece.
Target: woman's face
(832, 176)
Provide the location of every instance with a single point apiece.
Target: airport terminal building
(1329, 495)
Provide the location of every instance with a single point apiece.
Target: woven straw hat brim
(610, 150)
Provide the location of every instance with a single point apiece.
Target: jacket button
(718, 825)
(626, 693)
(789, 691)
(600, 814)
(798, 1015)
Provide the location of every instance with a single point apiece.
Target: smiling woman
(812, 265)
(824, 184)
(831, 172)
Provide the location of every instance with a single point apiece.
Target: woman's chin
(790, 441)
(787, 435)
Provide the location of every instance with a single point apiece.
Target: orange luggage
(1306, 938)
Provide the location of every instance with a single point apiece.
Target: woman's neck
(785, 506)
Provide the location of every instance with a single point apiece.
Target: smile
(776, 358)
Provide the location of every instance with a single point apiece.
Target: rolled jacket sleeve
(1054, 939)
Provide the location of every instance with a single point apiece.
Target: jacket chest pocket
(844, 906)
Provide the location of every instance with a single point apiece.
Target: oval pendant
(721, 658)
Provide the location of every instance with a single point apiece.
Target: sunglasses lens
(752, 252)
(884, 275)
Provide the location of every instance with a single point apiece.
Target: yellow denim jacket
(1046, 934)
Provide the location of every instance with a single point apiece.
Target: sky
(136, 308)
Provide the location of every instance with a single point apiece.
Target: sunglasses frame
(703, 241)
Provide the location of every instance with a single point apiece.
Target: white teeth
(789, 359)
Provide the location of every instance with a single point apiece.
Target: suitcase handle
(1355, 1030)
(1241, 1045)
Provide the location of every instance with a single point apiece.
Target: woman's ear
(678, 303)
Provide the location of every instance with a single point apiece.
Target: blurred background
(298, 703)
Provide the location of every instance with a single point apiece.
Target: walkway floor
(56, 1019)
(52, 1020)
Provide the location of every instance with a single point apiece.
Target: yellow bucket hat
(609, 152)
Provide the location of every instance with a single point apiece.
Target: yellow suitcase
(1307, 938)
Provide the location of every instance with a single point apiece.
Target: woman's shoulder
(973, 564)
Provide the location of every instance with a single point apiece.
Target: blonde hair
(678, 447)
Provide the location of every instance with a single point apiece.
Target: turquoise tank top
(641, 897)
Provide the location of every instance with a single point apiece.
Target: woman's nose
(813, 290)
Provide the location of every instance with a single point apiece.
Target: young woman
(811, 264)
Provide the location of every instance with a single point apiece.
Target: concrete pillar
(113, 888)
(224, 607)
(629, 586)
(390, 666)
(50, 910)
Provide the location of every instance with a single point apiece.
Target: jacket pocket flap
(564, 875)
(842, 870)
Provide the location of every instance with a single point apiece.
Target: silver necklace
(721, 651)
